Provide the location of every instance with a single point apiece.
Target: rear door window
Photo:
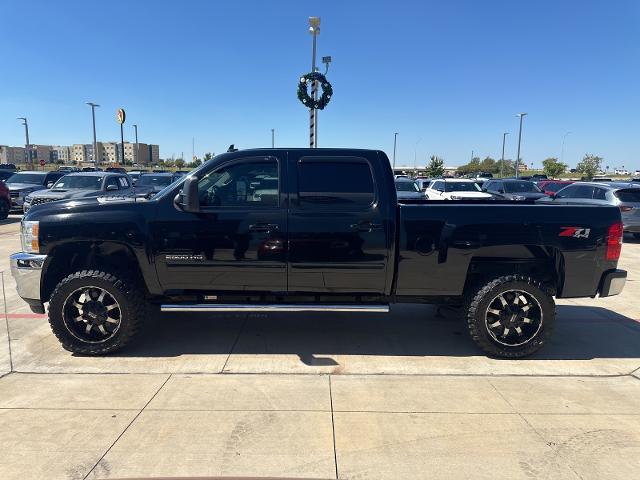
(335, 183)
(628, 195)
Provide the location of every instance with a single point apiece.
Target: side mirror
(111, 188)
(50, 184)
(188, 199)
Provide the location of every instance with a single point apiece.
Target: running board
(274, 307)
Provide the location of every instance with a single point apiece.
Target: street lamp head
(521, 114)
(326, 60)
(314, 25)
(92, 104)
(22, 118)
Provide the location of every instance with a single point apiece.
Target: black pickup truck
(298, 230)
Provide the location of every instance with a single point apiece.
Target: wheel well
(548, 269)
(70, 258)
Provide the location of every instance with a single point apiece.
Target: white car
(455, 189)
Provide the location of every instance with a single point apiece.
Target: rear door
(339, 241)
(629, 205)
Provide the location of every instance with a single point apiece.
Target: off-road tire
(478, 300)
(125, 291)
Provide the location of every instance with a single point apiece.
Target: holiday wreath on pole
(304, 96)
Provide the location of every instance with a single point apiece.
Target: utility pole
(95, 142)
(314, 30)
(562, 150)
(135, 155)
(395, 139)
(273, 138)
(504, 136)
(521, 115)
(27, 145)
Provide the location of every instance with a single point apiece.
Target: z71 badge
(575, 232)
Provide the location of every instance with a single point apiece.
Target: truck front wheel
(94, 312)
(510, 316)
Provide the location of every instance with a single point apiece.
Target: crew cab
(297, 230)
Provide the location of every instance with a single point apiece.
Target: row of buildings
(79, 153)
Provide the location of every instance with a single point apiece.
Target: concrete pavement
(340, 396)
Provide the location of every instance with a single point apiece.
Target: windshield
(86, 182)
(521, 187)
(31, 178)
(154, 180)
(461, 187)
(407, 187)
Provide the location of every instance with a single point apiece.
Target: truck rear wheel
(510, 316)
(94, 312)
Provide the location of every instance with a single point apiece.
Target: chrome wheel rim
(513, 318)
(91, 314)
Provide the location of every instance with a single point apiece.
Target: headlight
(28, 198)
(29, 237)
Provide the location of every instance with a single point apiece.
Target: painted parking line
(24, 315)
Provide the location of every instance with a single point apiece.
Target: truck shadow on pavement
(580, 333)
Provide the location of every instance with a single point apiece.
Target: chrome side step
(274, 307)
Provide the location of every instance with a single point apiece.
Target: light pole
(135, 154)
(314, 30)
(273, 138)
(395, 139)
(415, 156)
(504, 137)
(95, 142)
(472, 155)
(26, 134)
(562, 150)
(521, 115)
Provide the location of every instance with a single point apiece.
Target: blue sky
(448, 76)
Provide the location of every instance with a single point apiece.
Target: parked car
(513, 189)
(22, 184)
(5, 201)
(455, 189)
(408, 189)
(624, 195)
(8, 166)
(68, 169)
(334, 237)
(149, 184)
(550, 187)
(81, 185)
(135, 175)
(91, 169)
(536, 177)
(423, 183)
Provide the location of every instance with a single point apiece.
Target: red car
(550, 187)
(5, 201)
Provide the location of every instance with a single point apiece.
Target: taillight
(614, 241)
(625, 209)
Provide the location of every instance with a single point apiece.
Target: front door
(237, 242)
(338, 238)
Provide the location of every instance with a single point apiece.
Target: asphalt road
(396, 395)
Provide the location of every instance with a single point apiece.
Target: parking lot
(396, 395)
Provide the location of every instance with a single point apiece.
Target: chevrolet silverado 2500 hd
(310, 230)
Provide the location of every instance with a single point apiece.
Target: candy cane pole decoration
(314, 30)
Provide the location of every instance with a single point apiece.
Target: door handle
(263, 227)
(366, 226)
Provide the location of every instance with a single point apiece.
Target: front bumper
(612, 282)
(26, 269)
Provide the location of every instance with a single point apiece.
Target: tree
(472, 167)
(435, 168)
(169, 163)
(195, 163)
(505, 168)
(180, 163)
(553, 168)
(589, 165)
(207, 156)
(488, 165)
